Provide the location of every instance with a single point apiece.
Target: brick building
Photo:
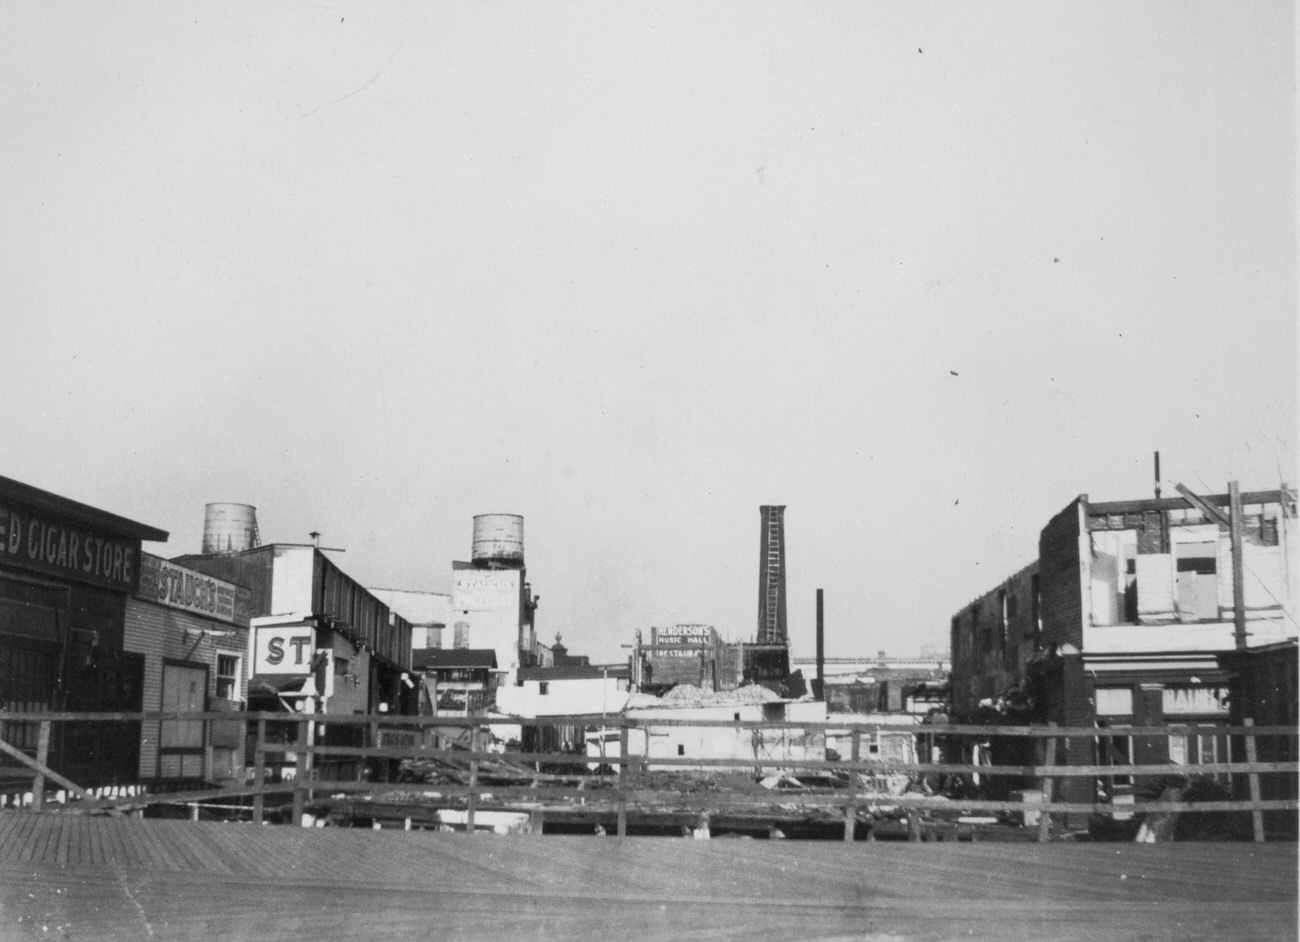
(1128, 617)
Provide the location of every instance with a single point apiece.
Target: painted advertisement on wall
(177, 587)
(480, 590)
(49, 546)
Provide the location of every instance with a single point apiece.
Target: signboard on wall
(178, 587)
(479, 590)
(682, 640)
(53, 547)
(283, 649)
(685, 634)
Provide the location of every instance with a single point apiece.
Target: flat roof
(574, 672)
(427, 658)
(93, 517)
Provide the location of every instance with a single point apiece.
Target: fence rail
(289, 757)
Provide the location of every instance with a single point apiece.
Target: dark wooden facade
(66, 572)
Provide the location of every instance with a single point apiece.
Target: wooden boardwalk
(79, 877)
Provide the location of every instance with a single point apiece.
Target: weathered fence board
(492, 780)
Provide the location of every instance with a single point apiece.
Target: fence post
(851, 809)
(1045, 816)
(623, 740)
(367, 742)
(471, 805)
(259, 772)
(374, 744)
(42, 757)
(302, 770)
(1256, 816)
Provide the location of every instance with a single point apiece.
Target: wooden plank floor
(73, 877)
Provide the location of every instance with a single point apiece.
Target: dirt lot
(69, 878)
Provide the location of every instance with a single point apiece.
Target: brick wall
(1061, 601)
(991, 640)
(1060, 581)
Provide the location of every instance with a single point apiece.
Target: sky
(922, 273)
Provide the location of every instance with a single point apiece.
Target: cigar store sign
(178, 587)
(55, 547)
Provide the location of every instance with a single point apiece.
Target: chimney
(819, 687)
(771, 576)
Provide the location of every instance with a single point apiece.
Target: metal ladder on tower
(772, 584)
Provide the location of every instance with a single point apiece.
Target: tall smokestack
(771, 576)
(1157, 475)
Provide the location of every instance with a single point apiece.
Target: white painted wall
(774, 747)
(488, 601)
(1199, 636)
(563, 698)
(291, 576)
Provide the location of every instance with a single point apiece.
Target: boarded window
(1114, 701)
(1155, 586)
(1197, 585)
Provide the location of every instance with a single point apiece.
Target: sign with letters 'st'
(283, 649)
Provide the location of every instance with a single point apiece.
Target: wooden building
(297, 591)
(67, 571)
(456, 681)
(192, 631)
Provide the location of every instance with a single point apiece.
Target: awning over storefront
(281, 685)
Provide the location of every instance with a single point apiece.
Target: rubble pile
(689, 695)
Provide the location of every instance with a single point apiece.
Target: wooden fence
(297, 759)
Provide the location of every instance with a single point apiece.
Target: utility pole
(1238, 568)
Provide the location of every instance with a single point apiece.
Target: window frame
(233, 678)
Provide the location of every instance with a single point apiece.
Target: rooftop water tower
(229, 528)
(498, 541)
